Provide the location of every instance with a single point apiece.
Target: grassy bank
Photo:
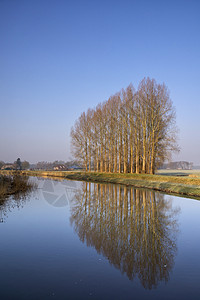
(181, 185)
(13, 184)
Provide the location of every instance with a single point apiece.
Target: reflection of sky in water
(42, 257)
(187, 268)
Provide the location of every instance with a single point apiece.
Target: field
(190, 173)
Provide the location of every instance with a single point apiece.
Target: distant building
(60, 168)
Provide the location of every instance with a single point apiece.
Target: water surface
(78, 240)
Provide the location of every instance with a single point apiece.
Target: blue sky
(58, 58)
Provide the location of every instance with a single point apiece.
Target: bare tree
(134, 131)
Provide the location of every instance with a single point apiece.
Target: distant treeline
(133, 131)
(56, 165)
(16, 165)
(181, 165)
(41, 165)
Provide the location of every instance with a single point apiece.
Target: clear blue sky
(58, 58)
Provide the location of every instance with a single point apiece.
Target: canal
(79, 240)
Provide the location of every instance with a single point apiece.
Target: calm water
(77, 240)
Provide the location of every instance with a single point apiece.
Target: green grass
(172, 183)
(168, 184)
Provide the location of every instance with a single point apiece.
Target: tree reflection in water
(9, 204)
(135, 229)
(17, 200)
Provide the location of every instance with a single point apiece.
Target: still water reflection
(78, 240)
(16, 201)
(135, 229)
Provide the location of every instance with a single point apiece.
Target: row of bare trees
(133, 131)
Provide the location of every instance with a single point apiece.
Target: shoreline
(177, 185)
(13, 184)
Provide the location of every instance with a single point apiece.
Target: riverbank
(179, 185)
(13, 184)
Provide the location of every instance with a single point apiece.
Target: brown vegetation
(14, 184)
